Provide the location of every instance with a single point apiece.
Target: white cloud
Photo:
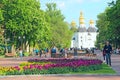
(74, 1)
(79, 1)
(95, 0)
(61, 4)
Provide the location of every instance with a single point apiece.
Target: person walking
(20, 53)
(117, 51)
(108, 50)
(53, 52)
(75, 52)
(41, 52)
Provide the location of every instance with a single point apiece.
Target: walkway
(38, 77)
(115, 61)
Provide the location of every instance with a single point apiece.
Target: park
(41, 42)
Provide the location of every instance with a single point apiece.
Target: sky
(71, 8)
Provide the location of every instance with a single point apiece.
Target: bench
(9, 55)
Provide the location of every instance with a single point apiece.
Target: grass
(105, 70)
(2, 56)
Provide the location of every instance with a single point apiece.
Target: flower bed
(64, 60)
(53, 66)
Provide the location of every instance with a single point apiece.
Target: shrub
(26, 54)
(1, 50)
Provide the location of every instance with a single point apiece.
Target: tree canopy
(108, 24)
(25, 23)
(24, 19)
(61, 34)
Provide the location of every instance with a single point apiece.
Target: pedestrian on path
(103, 55)
(20, 53)
(108, 50)
(53, 52)
(75, 52)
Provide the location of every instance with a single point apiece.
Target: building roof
(92, 29)
(82, 29)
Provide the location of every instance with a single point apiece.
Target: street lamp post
(117, 42)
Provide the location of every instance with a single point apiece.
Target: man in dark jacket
(108, 49)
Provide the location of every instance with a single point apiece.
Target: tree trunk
(13, 49)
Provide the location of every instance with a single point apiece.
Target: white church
(84, 37)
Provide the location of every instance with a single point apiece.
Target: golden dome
(81, 15)
(91, 22)
(73, 23)
(81, 22)
(81, 18)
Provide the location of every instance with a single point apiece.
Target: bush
(26, 54)
(1, 50)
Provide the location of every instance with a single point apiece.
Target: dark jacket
(107, 48)
(53, 50)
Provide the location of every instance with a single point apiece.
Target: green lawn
(2, 56)
(105, 70)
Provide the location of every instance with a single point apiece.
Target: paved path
(38, 77)
(16, 61)
(115, 62)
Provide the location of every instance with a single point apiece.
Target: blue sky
(71, 8)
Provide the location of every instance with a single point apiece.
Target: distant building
(84, 37)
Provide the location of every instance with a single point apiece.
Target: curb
(63, 75)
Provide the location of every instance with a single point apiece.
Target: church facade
(84, 37)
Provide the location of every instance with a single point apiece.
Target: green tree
(109, 25)
(24, 19)
(114, 18)
(61, 34)
(103, 25)
(1, 41)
